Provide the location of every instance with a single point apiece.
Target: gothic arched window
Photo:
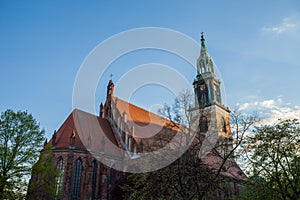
(203, 124)
(100, 179)
(94, 178)
(110, 178)
(77, 170)
(60, 178)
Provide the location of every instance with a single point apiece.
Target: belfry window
(218, 94)
(224, 129)
(77, 170)
(60, 178)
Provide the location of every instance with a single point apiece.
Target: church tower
(206, 86)
(213, 116)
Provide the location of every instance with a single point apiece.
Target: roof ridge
(118, 98)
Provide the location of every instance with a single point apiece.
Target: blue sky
(255, 45)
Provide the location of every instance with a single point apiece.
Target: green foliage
(274, 154)
(186, 178)
(257, 188)
(21, 139)
(43, 182)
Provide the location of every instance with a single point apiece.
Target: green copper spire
(204, 62)
(206, 86)
(203, 41)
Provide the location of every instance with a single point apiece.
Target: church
(86, 144)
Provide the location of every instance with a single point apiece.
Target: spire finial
(111, 75)
(202, 36)
(203, 41)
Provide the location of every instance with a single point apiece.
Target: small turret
(54, 138)
(109, 96)
(110, 89)
(101, 113)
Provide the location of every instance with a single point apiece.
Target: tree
(43, 185)
(189, 177)
(273, 152)
(21, 139)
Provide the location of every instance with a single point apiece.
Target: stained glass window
(94, 178)
(60, 178)
(76, 179)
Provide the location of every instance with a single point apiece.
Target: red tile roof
(230, 168)
(90, 132)
(146, 124)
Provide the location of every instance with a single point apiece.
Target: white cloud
(244, 106)
(268, 103)
(277, 43)
(270, 111)
(287, 24)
